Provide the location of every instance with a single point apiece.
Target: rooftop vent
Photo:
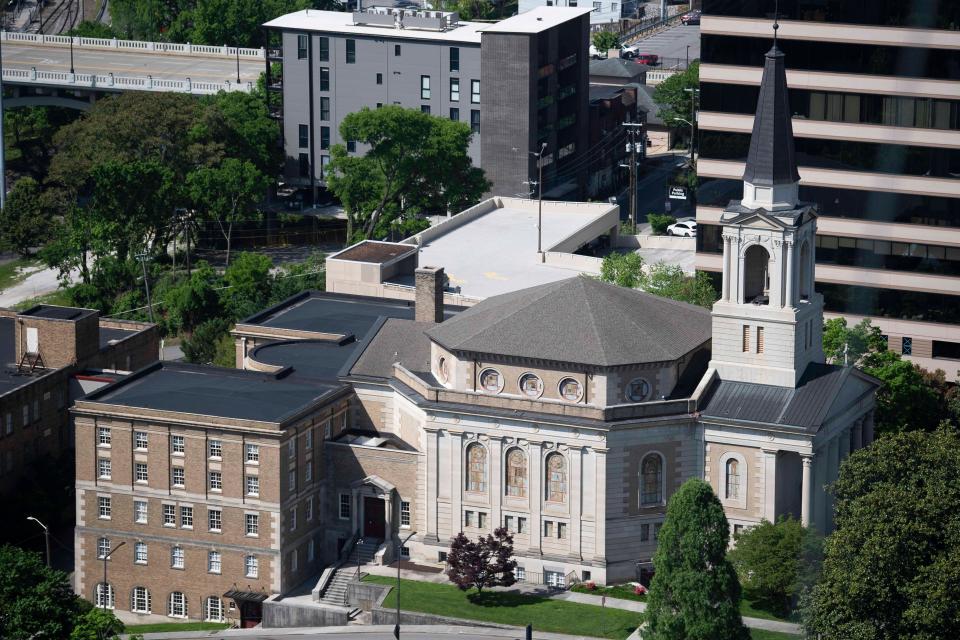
(407, 18)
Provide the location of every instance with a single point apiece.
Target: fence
(629, 30)
(111, 82)
(136, 46)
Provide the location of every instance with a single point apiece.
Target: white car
(685, 227)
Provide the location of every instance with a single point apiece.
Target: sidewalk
(431, 630)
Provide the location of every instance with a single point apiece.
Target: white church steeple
(767, 326)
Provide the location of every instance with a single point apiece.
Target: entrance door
(374, 518)
(251, 613)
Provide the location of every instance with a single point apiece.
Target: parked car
(649, 59)
(596, 54)
(691, 18)
(684, 227)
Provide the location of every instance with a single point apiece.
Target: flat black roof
(10, 378)
(111, 334)
(214, 391)
(309, 359)
(53, 312)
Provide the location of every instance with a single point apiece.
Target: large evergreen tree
(695, 594)
(891, 569)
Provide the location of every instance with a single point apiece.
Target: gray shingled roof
(579, 320)
(403, 341)
(771, 159)
(805, 407)
(617, 68)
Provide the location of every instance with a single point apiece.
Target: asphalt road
(383, 632)
(126, 63)
(672, 43)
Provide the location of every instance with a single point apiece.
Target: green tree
(472, 9)
(247, 285)
(659, 222)
(674, 99)
(695, 594)
(90, 29)
(25, 221)
(97, 624)
(772, 560)
(201, 346)
(191, 301)
(301, 276)
(35, 601)
(623, 269)
(603, 41)
(891, 569)
(842, 343)
(670, 281)
(413, 157)
(228, 193)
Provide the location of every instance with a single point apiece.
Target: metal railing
(111, 82)
(134, 46)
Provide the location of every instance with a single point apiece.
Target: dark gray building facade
(517, 83)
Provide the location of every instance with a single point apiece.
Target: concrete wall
(281, 614)
(389, 616)
(365, 595)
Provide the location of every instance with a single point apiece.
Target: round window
(531, 385)
(443, 372)
(491, 380)
(638, 390)
(571, 389)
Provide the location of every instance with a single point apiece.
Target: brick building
(45, 352)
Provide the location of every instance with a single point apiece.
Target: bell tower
(768, 323)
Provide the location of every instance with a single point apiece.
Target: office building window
(303, 137)
(140, 440)
(103, 436)
(213, 609)
(308, 438)
(178, 605)
(547, 529)
(475, 120)
(475, 92)
(324, 161)
(177, 477)
(253, 453)
(140, 552)
(177, 444)
(597, 7)
(140, 600)
(169, 515)
(324, 108)
(186, 517)
(103, 468)
(140, 469)
(352, 148)
(104, 508)
(214, 519)
(454, 58)
(351, 51)
(103, 548)
(468, 518)
(304, 165)
(253, 485)
(906, 346)
(562, 530)
(324, 137)
(425, 108)
(324, 79)
(252, 522)
(424, 87)
(140, 511)
(292, 480)
(215, 449)
(308, 509)
(213, 562)
(404, 513)
(455, 115)
(323, 49)
(302, 43)
(176, 557)
(216, 481)
(344, 506)
(252, 566)
(396, 49)
(455, 89)
(379, 78)
(308, 471)
(293, 519)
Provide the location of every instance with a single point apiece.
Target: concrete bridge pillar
(149, 82)
(110, 79)
(189, 85)
(33, 73)
(114, 44)
(189, 48)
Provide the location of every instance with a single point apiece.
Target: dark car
(691, 18)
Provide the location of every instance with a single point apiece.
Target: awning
(246, 596)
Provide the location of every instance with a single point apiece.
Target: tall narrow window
(302, 47)
(140, 600)
(304, 165)
(424, 87)
(351, 51)
(213, 609)
(455, 114)
(746, 338)
(454, 58)
(251, 565)
(324, 79)
(454, 89)
(556, 478)
(475, 91)
(759, 339)
(178, 605)
(733, 479)
(475, 120)
(303, 137)
(323, 49)
(103, 595)
(324, 137)
(324, 108)
(476, 468)
(516, 473)
(651, 480)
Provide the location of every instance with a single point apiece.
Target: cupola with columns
(767, 325)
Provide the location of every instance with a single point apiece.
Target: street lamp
(46, 535)
(539, 156)
(103, 589)
(71, 54)
(676, 119)
(238, 65)
(396, 628)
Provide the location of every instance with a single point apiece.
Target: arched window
(140, 600)
(651, 479)
(556, 478)
(213, 609)
(476, 468)
(756, 275)
(177, 607)
(98, 593)
(733, 479)
(531, 385)
(516, 473)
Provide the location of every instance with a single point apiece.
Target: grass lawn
(510, 608)
(760, 634)
(751, 609)
(161, 627)
(11, 272)
(621, 591)
(58, 297)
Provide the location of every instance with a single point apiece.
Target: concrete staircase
(336, 591)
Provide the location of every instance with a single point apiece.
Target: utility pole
(46, 534)
(238, 64)
(396, 628)
(142, 257)
(633, 128)
(3, 164)
(539, 184)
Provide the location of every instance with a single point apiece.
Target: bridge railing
(139, 46)
(111, 82)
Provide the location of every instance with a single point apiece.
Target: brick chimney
(429, 282)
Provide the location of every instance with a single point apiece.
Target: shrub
(659, 222)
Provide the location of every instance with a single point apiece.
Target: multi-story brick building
(43, 351)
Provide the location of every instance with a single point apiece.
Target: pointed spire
(771, 159)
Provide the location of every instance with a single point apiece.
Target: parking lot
(671, 45)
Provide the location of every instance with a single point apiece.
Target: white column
(431, 506)
(788, 249)
(600, 506)
(726, 267)
(457, 482)
(806, 461)
(536, 495)
(770, 484)
(576, 493)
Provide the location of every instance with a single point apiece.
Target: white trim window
(177, 559)
(251, 566)
(733, 480)
(216, 481)
(308, 509)
(98, 593)
(140, 552)
(253, 453)
(169, 515)
(214, 562)
(104, 507)
(215, 520)
(213, 609)
(404, 513)
(140, 471)
(215, 449)
(103, 548)
(178, 605)
(733, 471)
(140, 440)
(308, 471)
(292, 480)
(294, 560)
(293, 519)
(186, 517)
(253, 485)
(178, 445)
(103, 436)
(308, 439)
(252, 524)
(345, 506)
(140, 600)
(140, 511)
(178, 477)
(103, 468)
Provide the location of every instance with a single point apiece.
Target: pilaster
(536, 496)
(770, 484)
(600, 504)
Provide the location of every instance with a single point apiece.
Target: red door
(374, 518)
